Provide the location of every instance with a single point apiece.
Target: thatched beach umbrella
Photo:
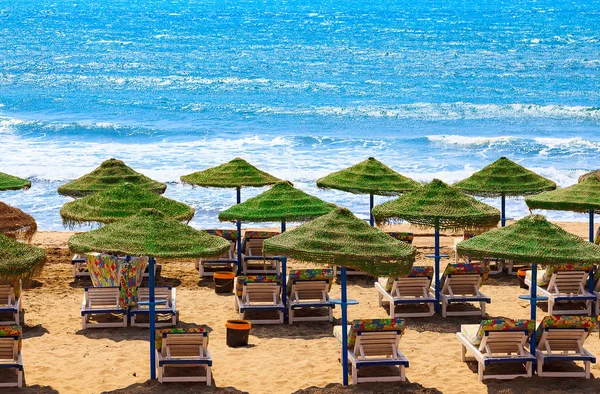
(340, 238)
(442, 207)
(281, 203)
(236, 173)
(16, 223)
(532, 240)
(120, 202)
(111, 173)
(151, 234)
(504, 178)
(19, 260)
(10, 182)
(370, 177)
(581, 197)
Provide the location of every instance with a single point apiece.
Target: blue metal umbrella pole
(344, 305)
(152, 317)
(503, 208)
(239, 231)
(591, 279)
(284, 287)
(592, 225)
(437, 267)
(533, 303)
(371, 204)
(283, 226)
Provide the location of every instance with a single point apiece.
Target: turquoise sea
(299, 88)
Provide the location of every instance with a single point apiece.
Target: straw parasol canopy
(340, 238)
(19, 260)
(111, 173)
(283, 202)
(120, 202)
(504, 177)
(150, 233)
(368, 177)
(581, 197)
(16, 223)
(595, 174)
(10, 182)
(440, 206)
(235, 173)
(534, 240)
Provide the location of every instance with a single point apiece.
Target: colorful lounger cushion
(565, 322)
(544, 280)
(230, 235)
(260, 234)
(465, 269)
(374, 325)
(159, 334)
(475, 333)
(416, 271)
(14, 331)
(597, 239)
(308, 275)
(404, 237)
(241, 280)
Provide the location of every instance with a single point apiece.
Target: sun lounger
(460, 284)
(184, 348)
(10, 352)
(374, 342)
(102, 301)
(565, 283)
(259, 293)
(10, 303)
(309, 289)
(226, 262)
(254, 260)
(412, 290)
(497, 341)
(160, 294)
(561, 338)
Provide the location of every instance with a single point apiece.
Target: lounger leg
(480, 370)
(290, 315)
(402, 373)
(550, 307)
(354, 374)
(482, 306)
(124, 319)
(540, 367)
(392, 309)
(84, 322)
(330, 314)
(587, 369)
(208, 376)
(18, 318)
(463, 353)
(379, 299)
(19, 378)
(529, 368)
(444, 306)
(280, 317)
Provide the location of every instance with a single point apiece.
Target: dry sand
(61, 358)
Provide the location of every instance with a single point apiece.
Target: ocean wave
(542, 146)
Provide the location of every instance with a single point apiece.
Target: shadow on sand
(368, 388)
(173, 388)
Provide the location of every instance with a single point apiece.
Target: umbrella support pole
(239, 230)
(437, 256)
(344, 328)
(152, 317)
(284, 287)
(592, 236)
(283, 226)
(371, 204)
(503, 208)
(533, 299)
(591, 225)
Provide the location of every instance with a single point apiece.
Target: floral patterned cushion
(239, 284)
(562, 322)
(12, 331)
(260, 234)
(310, 274)
(230, 235)
(159, 334)
(597, 239)
(465, 269)
(404, 237)
(475, 333)
(416, 270)
(396, 324)
(131, 273)
(544, 279)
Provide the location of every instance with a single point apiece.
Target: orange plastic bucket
(224, 282)
(238, 332)
(521, 275)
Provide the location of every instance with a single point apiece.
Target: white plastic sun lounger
(101, 301)
(260, 296)
(188, 349)
(565, 286)
(167, 294)
(9, 303)
(407, 291)
(309, 293)
(10, 358)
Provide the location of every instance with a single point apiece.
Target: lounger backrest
(302, 276)
(10, 341)
(242, 280)
(7, 295)
(161, 332)
(253, 241)
(184, 345)
(261, 292)
(359, 327)
(571, 327)
(544, 280)
(410, 287)
(465, 274)
(416, 271)
(569, 282)
(400, 236)
(490, 327)
(160, 294)
(103, 296)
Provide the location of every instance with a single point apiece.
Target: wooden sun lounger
(10, 358)
(101, 301)
(265, 296)
(570, 286)
(563, 344)
(309, 294)
(9, 303)
(407, 291)
(463, 288)
(497, 347)
(167, 294)
(189, 349)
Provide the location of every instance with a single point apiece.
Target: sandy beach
(61, 358)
